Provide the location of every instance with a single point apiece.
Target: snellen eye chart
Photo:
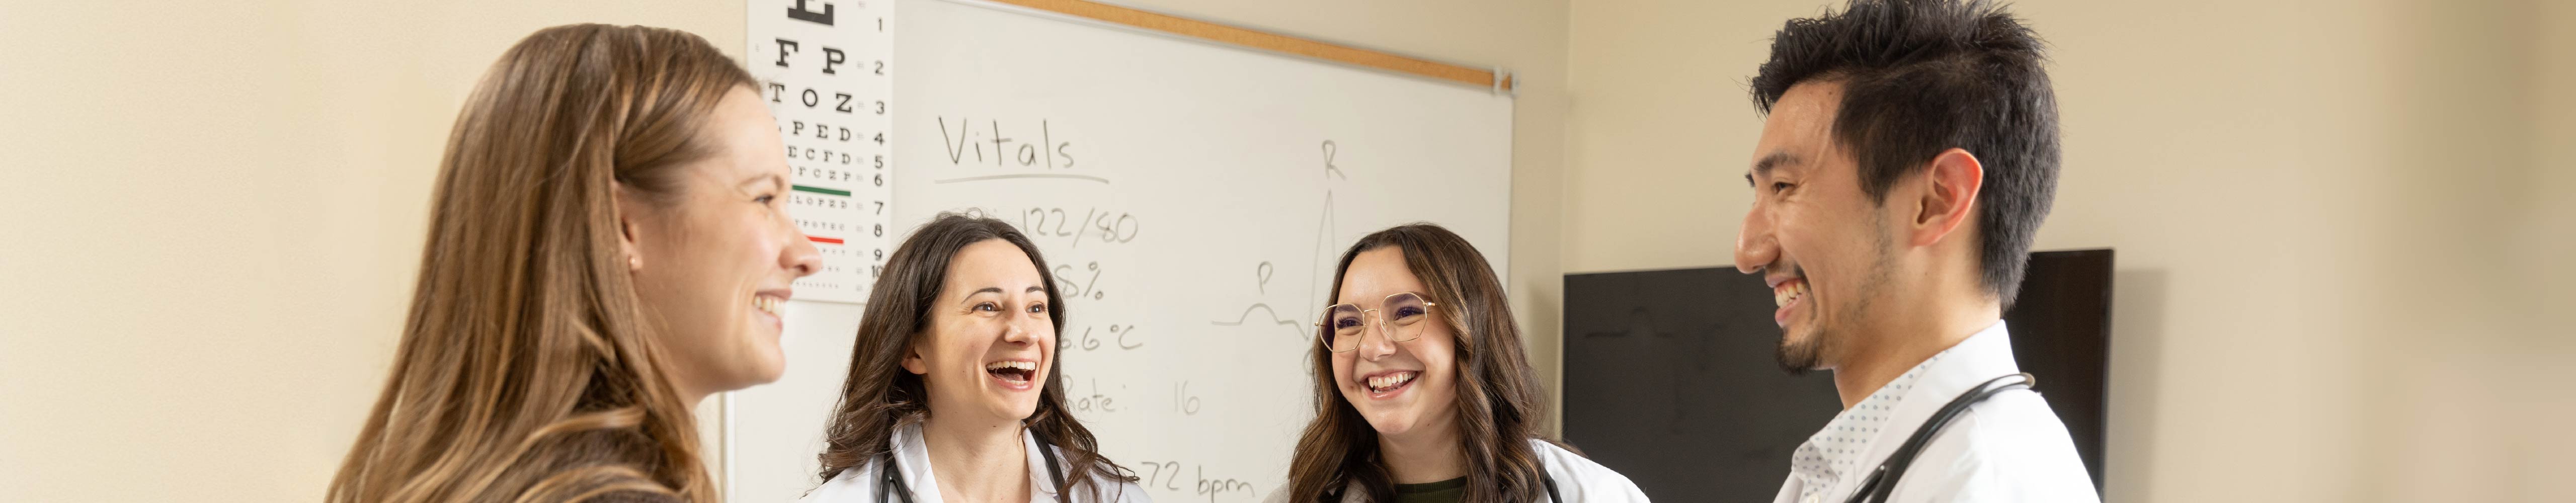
(825, 70)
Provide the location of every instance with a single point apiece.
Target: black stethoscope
(1882, 481)
(892, 485)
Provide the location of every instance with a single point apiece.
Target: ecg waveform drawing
(1322, 260)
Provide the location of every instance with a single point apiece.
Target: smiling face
(1822, 243)
(1404, 389)
(986, 351)
(713, 259)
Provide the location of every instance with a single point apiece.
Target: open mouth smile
(1015, 375)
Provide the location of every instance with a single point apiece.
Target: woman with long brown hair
(953, 393)
(1421, 389)
(608, 245)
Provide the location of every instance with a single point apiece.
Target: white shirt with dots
(2009, 448)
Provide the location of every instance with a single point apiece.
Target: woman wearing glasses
(1421, 390)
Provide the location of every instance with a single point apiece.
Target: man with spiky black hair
(1908, 154)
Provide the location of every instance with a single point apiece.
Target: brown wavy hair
(879, 396)
(525, 371)
(1498, 395)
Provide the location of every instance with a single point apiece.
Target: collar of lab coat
(914, 456)
(1979, 358)
(1975, 360)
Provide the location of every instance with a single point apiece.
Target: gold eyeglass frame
(1382, 322)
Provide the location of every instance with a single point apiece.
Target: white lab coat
(859, 484)
(1578, 480)
(2008, 448)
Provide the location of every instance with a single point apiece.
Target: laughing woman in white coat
(952, 394)
(1422, 392)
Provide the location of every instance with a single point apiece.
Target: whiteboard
(1192, 199)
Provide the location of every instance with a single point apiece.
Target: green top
(1446, 491)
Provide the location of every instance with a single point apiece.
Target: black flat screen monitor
(1670, 378)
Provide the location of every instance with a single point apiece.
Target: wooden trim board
(1480, 77)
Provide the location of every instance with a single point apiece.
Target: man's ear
(1949, 198)
(621, 203)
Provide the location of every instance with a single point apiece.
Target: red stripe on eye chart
(825, 240)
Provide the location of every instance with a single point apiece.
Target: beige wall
(2336, 223)
(211, 212)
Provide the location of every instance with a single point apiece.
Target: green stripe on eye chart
(820, 190)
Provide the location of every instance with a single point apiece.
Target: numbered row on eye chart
(840, 138)
(784, 97)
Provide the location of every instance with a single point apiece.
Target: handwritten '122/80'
(1119, 228)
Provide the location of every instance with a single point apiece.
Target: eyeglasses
(1399, 320)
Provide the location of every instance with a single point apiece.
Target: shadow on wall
(2138, 338)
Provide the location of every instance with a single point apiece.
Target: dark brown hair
(525, 371)
(1924, 76)
(880, 396)
(1497, 394)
